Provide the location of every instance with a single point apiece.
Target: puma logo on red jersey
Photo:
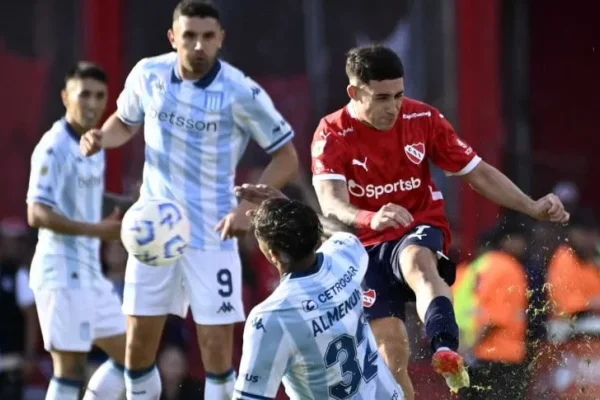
(361, 163)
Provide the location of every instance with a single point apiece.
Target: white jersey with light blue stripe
(195, 134)
(73, 185)
(311, 334)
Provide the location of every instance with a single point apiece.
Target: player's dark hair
(373, 63)
(85, 70)
(196, 8)
(288, 226)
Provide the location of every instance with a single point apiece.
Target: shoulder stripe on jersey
(280, 142)
(239, 395)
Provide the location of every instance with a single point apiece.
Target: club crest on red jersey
(415, 152)
(369, 297)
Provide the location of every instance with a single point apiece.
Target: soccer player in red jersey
(370, 163)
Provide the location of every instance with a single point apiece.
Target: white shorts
(71, 319)
(208, 281)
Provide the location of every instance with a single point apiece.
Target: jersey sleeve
(328, 153)
(45, 176)
(255, 113)
(265, 355)
(129, 104)
(448, 151)
(352, 250)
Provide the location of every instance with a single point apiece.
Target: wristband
(363, 219)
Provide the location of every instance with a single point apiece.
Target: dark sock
(440, 324)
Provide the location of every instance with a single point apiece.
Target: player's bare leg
(69, 374)
(142, 380)
(216, 347)
(392, 342)
(434, 306)
(108, 382)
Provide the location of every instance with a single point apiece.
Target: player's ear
(273, 255)
(64, 96)
(352, 92)
(222, 38)
(171, 37)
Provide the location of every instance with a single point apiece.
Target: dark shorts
(385, 289)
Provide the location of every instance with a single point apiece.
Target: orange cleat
(451, 366)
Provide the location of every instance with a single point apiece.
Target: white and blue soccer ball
(155, 231)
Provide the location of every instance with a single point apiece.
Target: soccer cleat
(451, 366)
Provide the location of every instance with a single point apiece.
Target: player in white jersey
(311, 333)
(77, 306)
(198, 115)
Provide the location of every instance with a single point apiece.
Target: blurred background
(517, 78)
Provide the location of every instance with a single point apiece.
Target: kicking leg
(419, 267)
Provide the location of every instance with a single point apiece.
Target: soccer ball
(155, 231)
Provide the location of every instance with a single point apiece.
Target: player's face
(85, 101)
(197, 42)
(379, 102)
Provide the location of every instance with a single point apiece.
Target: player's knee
(216, 344)
(143, 339)
(215, 338)
(419, 266)
(69, 365)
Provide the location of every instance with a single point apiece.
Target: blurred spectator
(574, 272)
(19, 331)
(495, 287)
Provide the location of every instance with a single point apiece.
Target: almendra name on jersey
(323, 322)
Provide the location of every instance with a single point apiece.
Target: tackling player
(76, 304)
(198, 114)
(371, 170)
(311, 331)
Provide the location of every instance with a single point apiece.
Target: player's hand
(236, 223)
(90, 143)
(391, 216)
(256, 194)
(549, 208)
(110, 227)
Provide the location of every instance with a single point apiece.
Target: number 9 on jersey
(155, 231)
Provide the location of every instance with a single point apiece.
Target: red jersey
(392, 166)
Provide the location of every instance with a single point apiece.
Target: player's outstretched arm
(496, 186)
(42, 216)
(114, 133)
(335, 202)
